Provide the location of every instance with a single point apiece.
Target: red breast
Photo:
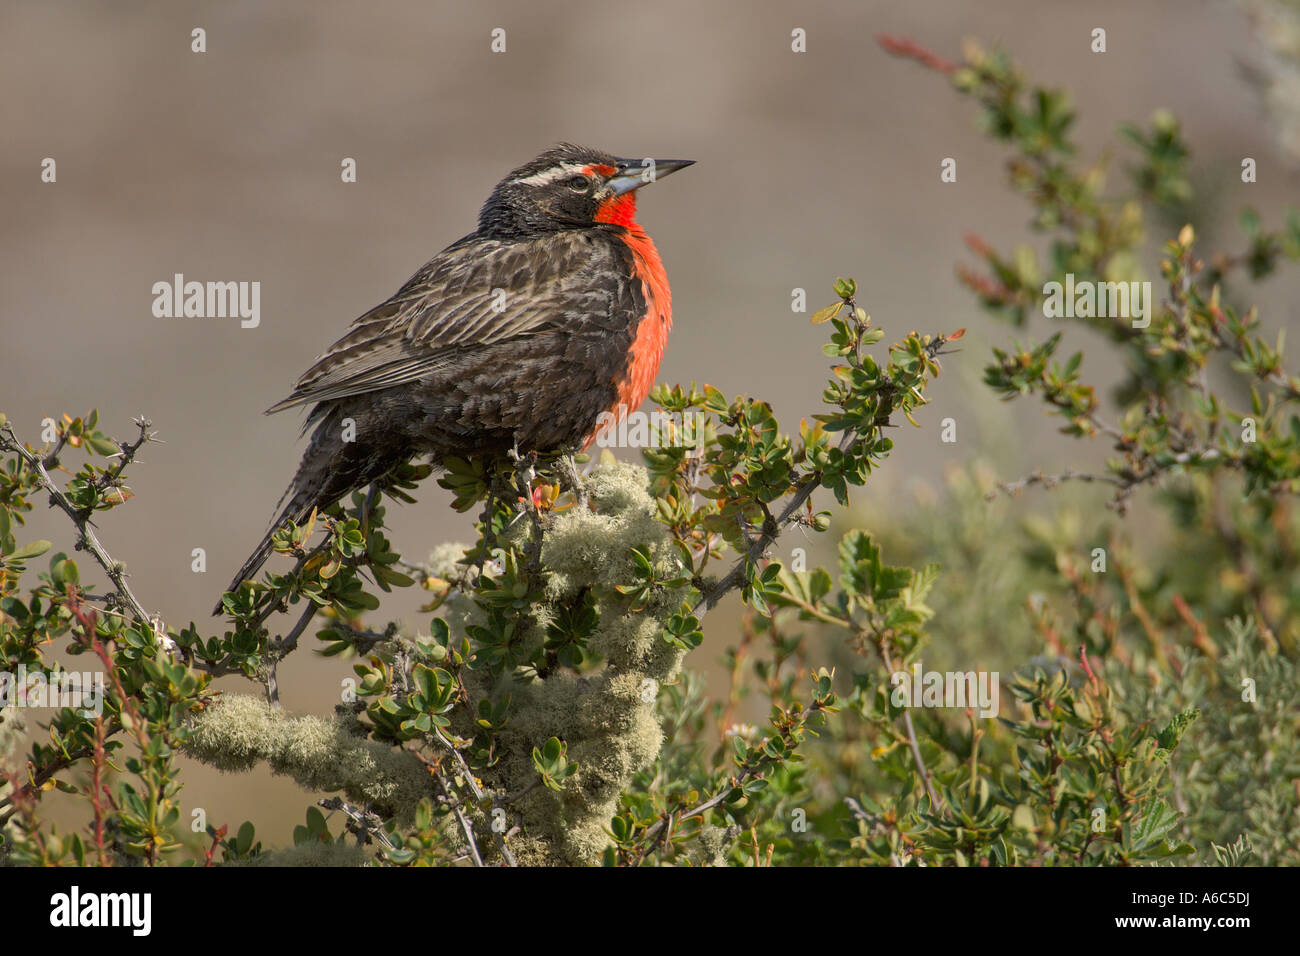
(651, 335)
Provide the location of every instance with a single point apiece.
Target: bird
(529, 335)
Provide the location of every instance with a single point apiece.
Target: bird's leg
(525, 472)
(485, 519)
(574, 478)
(372, 496)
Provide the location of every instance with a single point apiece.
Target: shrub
(545, 713)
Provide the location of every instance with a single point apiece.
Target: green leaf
(1159, 819)
(244, 838)
(826, 314)
(31, 550)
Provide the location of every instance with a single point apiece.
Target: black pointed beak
(635, 173)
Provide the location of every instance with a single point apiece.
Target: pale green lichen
(13, 730)
(13, 727)
(606, 716)
(710, 847)
(443, 560)
(593, 547)
(236, 732)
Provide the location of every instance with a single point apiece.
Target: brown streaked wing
(452, 302)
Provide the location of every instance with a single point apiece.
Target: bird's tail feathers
(300, 504)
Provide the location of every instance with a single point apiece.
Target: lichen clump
(606, 716)
(236, 732)
(604, 710)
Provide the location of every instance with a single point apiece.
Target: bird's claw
(574, 477)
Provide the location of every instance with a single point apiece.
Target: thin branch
(366, 822)
(86, 538)
(912, 742)
(289, 642)
(127, 450)
(306, 556)
(920, 761)
(470, 782)
(464, 821)
(758, 545)
(674, 817)
(1013, 488)
(774, 528)
(283, 648)
(7, 802)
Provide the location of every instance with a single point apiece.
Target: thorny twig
(773, 528)
(86, 538)
(474, 789)
(366, 823)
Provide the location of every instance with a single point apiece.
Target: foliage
(543, 714)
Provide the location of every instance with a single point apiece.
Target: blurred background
(225, 166)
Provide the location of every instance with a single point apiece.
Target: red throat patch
(620, 210)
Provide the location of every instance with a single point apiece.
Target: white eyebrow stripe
(551, 175)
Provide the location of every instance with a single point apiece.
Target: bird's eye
(577, 182)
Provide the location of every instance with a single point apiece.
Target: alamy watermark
(208, 300)
(921, 688)
(77, 909)
(82, 690)
(1098, 300)
(624, 429)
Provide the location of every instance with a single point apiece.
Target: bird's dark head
(569, 187)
